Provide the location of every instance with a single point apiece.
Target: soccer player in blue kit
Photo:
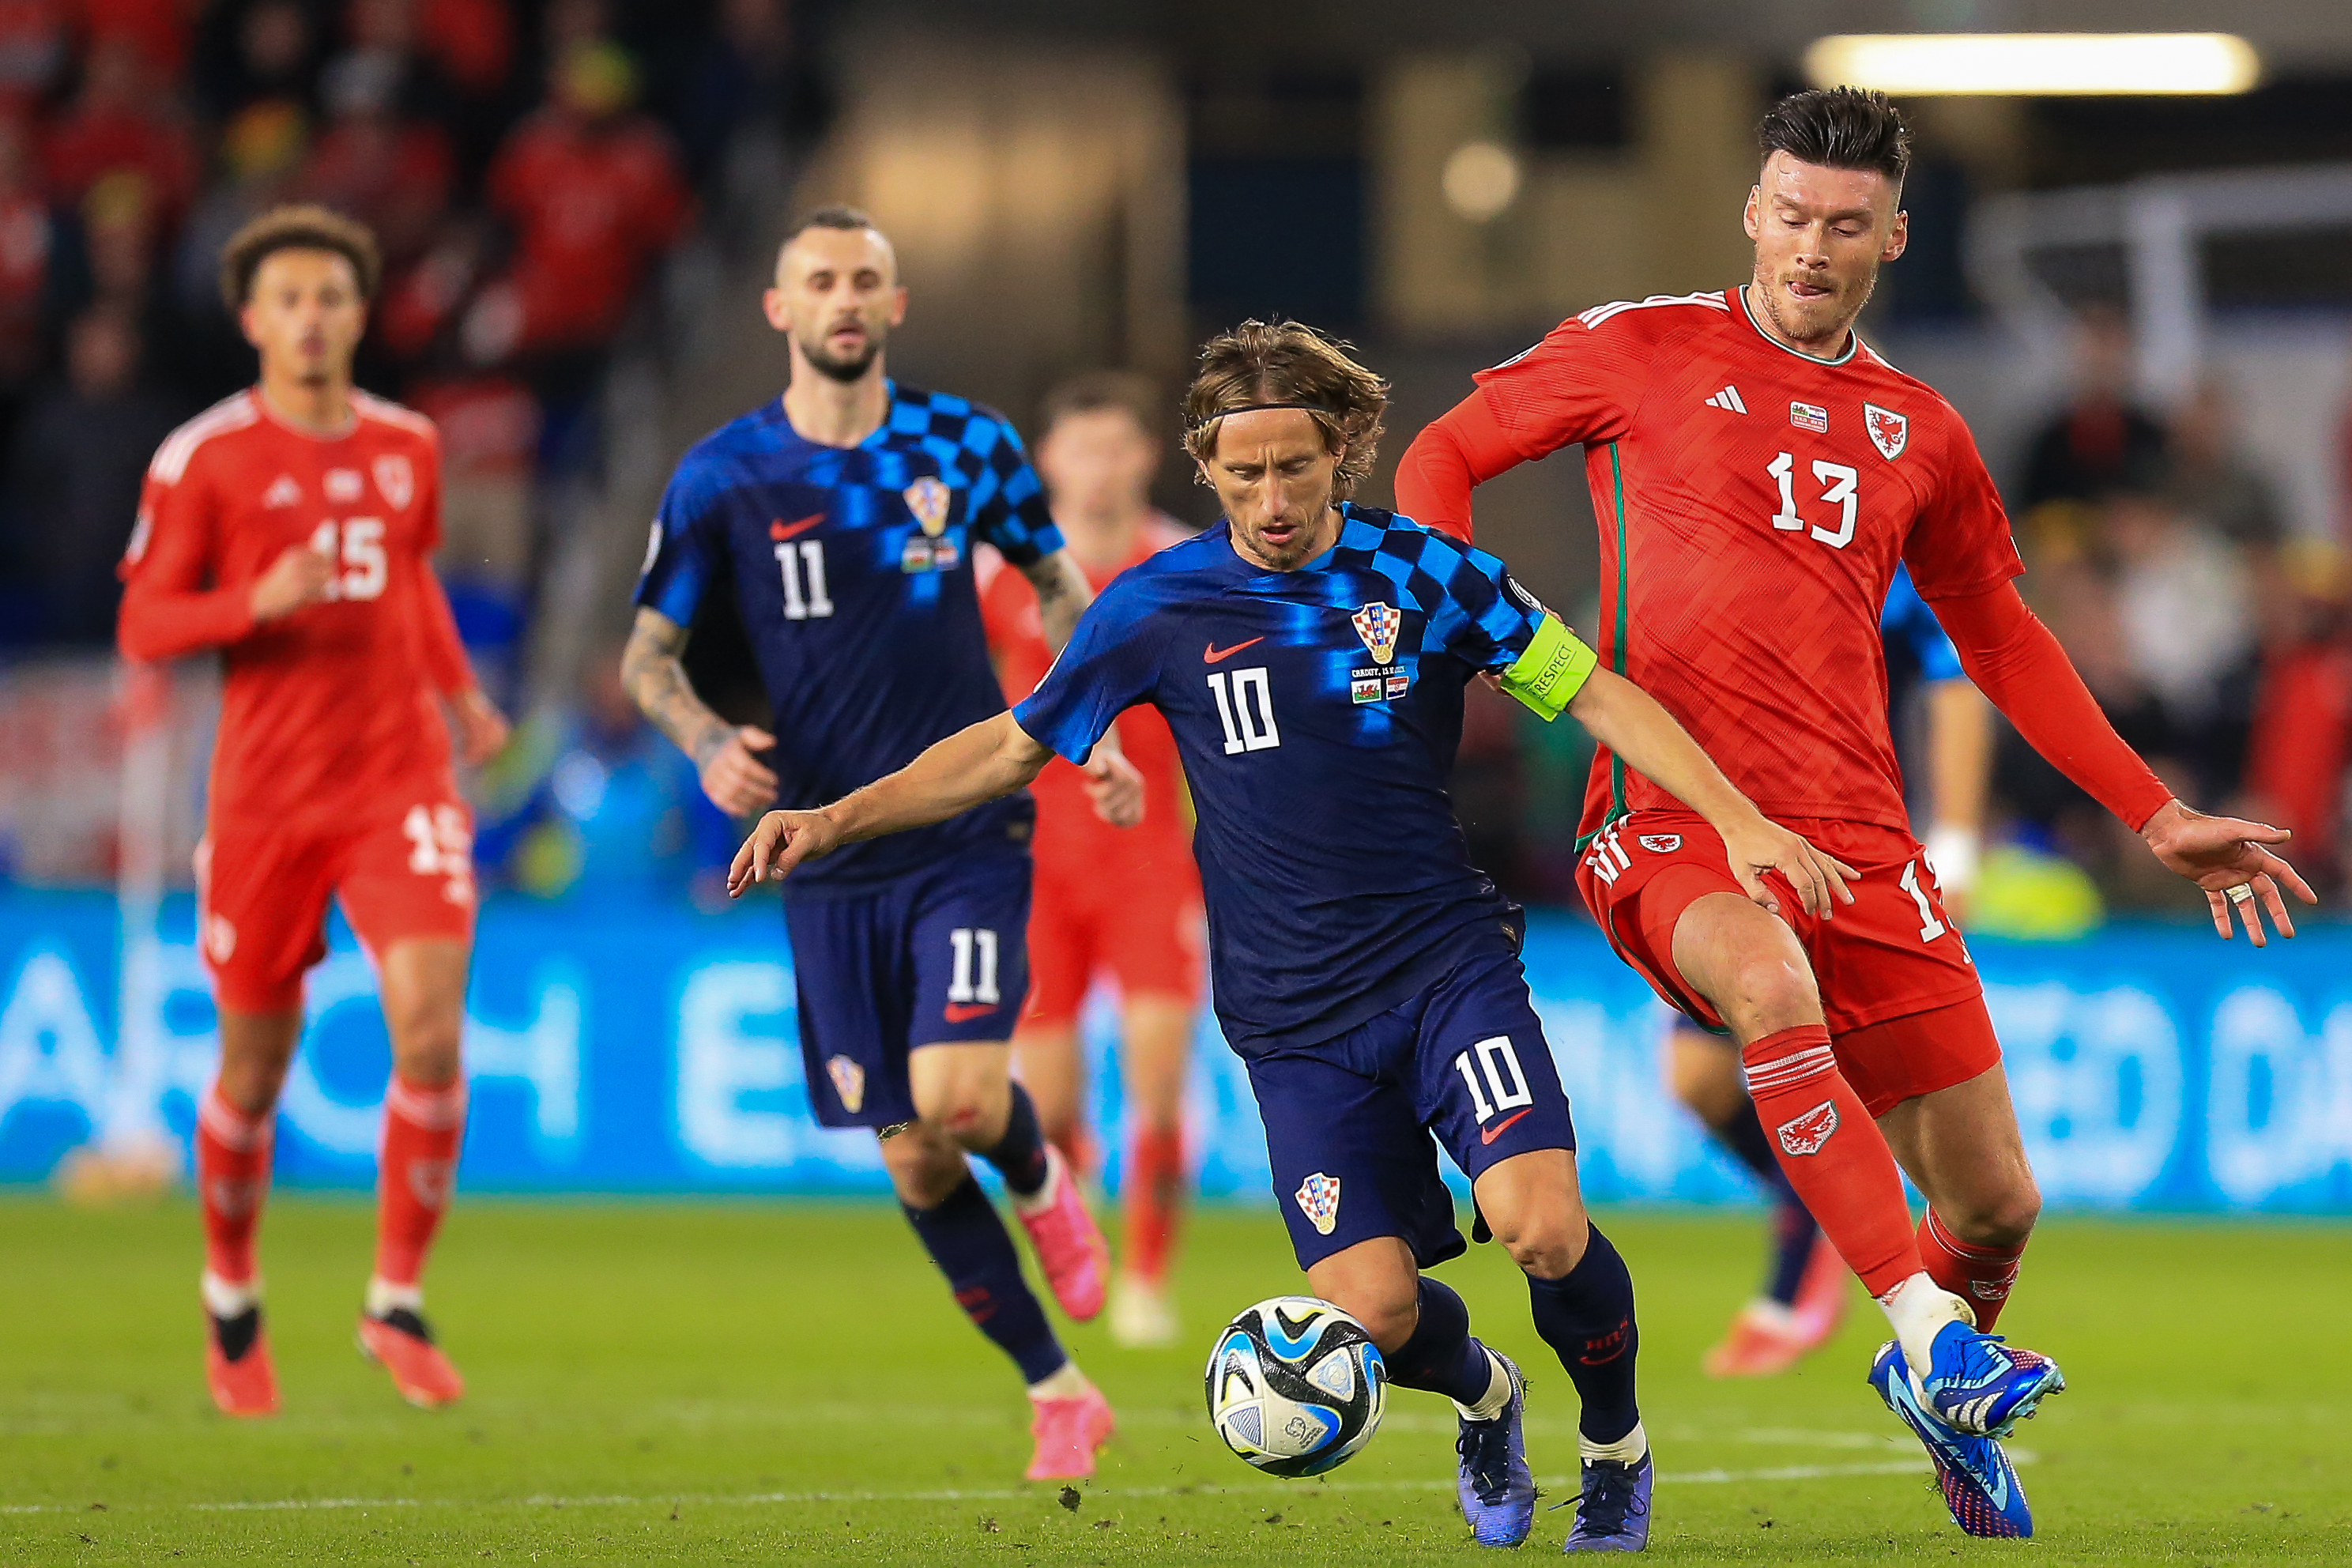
(1309, 656)
(840, 520)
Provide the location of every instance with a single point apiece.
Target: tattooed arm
(653, 674)
(1063, 595)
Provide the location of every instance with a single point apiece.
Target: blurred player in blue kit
(1805, 1289)
(1309, 656)
(840, 520)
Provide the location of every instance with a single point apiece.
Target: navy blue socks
(1442, 1357)
(1792, 1224)
(1020, 1155)
(1586, 1318)
(971, 1248)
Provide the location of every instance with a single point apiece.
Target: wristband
(1552, 670)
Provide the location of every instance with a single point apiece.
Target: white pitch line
(1006, 1494)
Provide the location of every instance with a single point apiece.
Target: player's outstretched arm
(2020, 666)
(978, 764)
(653, 670)
(1452, 455)
(1629, 722)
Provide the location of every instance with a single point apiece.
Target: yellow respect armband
(1554, 669)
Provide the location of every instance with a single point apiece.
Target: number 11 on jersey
(802, 566)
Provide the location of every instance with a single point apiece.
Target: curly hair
(296, 228)
(1288, 364)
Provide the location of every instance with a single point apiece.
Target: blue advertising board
(617, 1048)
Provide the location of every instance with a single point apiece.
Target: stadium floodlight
(1906, 64)
(1480, 180)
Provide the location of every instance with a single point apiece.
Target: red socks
(1980, 1276)
(1154, 1197)
(232, 1178)
(417, 1169)
(1832, 1153)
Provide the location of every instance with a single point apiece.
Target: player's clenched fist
(781, 841)
(301, 576)
(736, 782)
(1762, 845)
(1115, 787)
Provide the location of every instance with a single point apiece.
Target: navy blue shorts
(1353, 1124)
(935, 957)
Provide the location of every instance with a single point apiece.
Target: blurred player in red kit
(1757, 473)
(291, 527)
(1124, 903)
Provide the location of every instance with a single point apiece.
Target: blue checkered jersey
(852, 570)
(1910, 628)
(1318, 713)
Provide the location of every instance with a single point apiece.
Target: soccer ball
(1296, 1386)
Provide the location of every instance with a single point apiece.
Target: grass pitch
(740, 1383)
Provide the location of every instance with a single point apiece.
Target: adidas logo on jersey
(284, 491)
(1728, 400)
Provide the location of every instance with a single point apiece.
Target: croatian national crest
(395, 480)
(1319, 1200)
(1378, 624)
(927, 500)
(1805, 1134)
(1888, 430)
(848, 1082)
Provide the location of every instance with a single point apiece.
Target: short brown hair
(837, 214)
(1290, 364)
(1839, 128)
(296, 228)
(1124, 391)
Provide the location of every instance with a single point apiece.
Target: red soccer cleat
(1068, 1431)
(403, 1344)
(1071, 1251)
(1768, 1338)
(237, 1365)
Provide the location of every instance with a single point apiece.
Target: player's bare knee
(1547, 1242)
(1390, 1312)
(1770, 992)
(2003, 1219)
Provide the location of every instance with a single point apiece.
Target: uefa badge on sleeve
(1319, 1200)
(1378, 624)
(848, 1082)
(928, 499)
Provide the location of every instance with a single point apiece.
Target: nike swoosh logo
(965, 1012)
(781, 530)
(1212, 654)
(1489, 1135)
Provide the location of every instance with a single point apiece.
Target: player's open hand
(736, 782)
(1762, 845)
(1115, 787)
(482, 729)
(299, 576)
(781, 841)
(2225, 856)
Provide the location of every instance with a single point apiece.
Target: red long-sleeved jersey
(329, 715)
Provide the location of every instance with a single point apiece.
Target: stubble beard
(1827, 329)
(846, 371)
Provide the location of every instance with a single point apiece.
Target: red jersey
(592, 207)
(1753, 503)
(1070, 834)
(329, 718)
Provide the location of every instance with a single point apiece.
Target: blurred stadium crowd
(541, 174)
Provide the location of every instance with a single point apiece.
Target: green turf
(750, 1383)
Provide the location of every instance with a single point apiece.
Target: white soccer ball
(1296, 1386)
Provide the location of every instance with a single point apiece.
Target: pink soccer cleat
(403, 1344)
(1068, 1431)
(237, 1370)
(1070, 1249)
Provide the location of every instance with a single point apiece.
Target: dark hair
(296, 228)
(1125, 391)
(1288, 364)
(836, 214)
(1839, 128)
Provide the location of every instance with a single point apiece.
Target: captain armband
(1552, 670)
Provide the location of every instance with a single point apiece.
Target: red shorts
(1881, 964)
(261, 896)
(1140, 922)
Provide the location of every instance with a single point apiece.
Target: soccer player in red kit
(1757, 473)
(291, 527)
(1121, 902)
